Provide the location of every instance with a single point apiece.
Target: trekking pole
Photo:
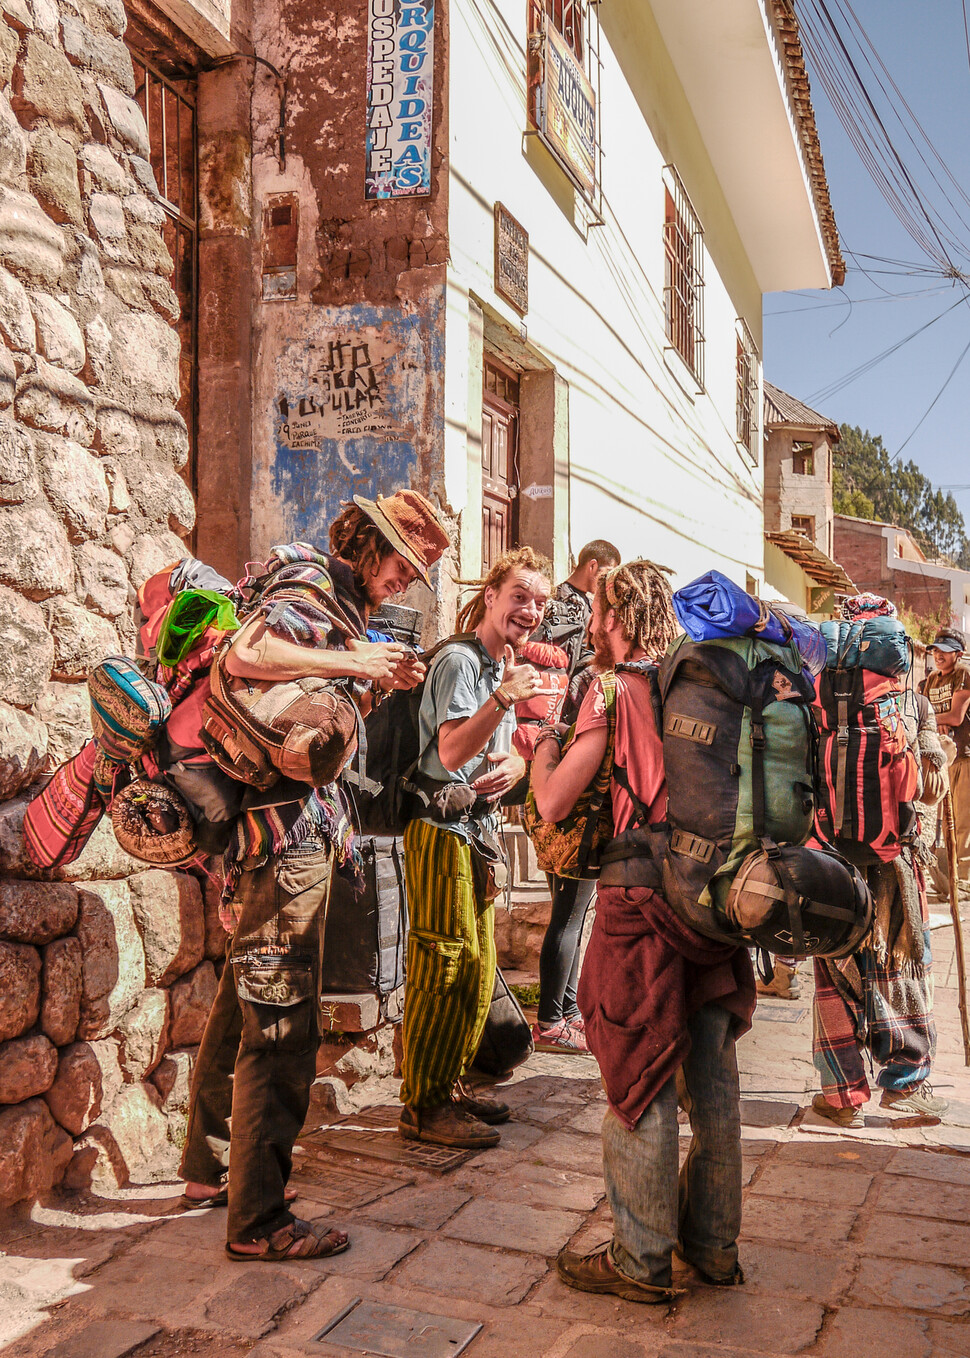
(950, 835)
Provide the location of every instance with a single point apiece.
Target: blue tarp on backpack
(877, 644)
(714, 608)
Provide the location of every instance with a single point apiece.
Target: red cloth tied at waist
(645, 973)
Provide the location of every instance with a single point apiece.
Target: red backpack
(868, 774)
(552, 662)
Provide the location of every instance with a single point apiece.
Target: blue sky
(813, 338)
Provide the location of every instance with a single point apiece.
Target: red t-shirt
(637, 748)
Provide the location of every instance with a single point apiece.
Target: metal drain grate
(393, 1332)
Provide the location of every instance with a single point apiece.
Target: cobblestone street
(855, 1244)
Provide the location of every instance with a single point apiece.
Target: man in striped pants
(466, 725)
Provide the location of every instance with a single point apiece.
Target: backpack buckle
(842, 735)
(757, 735)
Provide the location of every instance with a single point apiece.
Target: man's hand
(408, 674)
(519, 681)
(382, 661)
(508, 770)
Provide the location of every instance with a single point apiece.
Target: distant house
(886, 559)
(798, 468)
(798, 506)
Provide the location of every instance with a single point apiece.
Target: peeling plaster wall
(370, 276)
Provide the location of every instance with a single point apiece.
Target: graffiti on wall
(356, 397)
(346, 394)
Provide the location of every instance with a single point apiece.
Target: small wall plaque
(511, 259)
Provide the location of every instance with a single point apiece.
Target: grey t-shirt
(462, 677)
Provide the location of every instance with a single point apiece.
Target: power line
(825, 393)
(932, 403)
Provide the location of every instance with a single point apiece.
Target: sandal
(297, 1240)
(220, 1198)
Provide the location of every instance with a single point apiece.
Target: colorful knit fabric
(868, 605)
(306, 596)
(879, 1000)
(311, 599)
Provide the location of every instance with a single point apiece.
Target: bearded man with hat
(307, 617)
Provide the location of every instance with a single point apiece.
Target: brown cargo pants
(257, 1061)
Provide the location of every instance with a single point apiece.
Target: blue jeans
(699, 1214)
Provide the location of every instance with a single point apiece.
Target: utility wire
(825, 393)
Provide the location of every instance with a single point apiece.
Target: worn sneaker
(559, 1037)
(578, 1022)
(447, 1125)
(783, 984)
(490, 1111)
(596, 1273)
(920, 1100)
(842, 1117)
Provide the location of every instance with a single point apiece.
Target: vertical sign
(568, 117)
(400, 94)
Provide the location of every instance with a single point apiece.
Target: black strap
(621, 776)
(758, 813)
(793, 899)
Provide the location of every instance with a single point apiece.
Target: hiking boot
(842, 1117)
(446, 1125)
(783, 984)
(490, 1111)
(920, 1100)
(596, 1273)
(559, 1037)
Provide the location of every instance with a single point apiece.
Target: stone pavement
(855, 1244)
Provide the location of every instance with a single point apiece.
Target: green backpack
(739, 755)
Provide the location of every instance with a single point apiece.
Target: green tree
(868, 484)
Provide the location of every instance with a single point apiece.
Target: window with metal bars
(683, 275)
(567, 16)
(169, 109)
(747, 390)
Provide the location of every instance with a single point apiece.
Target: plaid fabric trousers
(450, 964)
(892, 1020)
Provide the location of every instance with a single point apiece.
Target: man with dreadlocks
(306, 616)
(466, 723)
(662, 1005)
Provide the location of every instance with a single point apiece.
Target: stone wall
(106, 974)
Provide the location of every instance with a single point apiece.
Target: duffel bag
(800, 901)
(367, 922)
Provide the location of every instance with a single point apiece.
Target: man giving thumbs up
(466, 724)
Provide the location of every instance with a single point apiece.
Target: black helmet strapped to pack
(797, 901)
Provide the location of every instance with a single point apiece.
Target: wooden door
(500, 481)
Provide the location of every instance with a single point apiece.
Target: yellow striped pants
(450, 964)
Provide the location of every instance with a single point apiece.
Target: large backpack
(564, 624)
(739, 756)
(379, 780)
(869, 776)
(739, 759)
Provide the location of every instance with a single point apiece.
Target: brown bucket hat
(411, 526)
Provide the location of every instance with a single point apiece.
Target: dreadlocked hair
(471, 614)
(358, 541)
(638, 593)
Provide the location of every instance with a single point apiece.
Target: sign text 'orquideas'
(400, 96)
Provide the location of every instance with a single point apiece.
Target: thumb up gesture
(520, 681)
